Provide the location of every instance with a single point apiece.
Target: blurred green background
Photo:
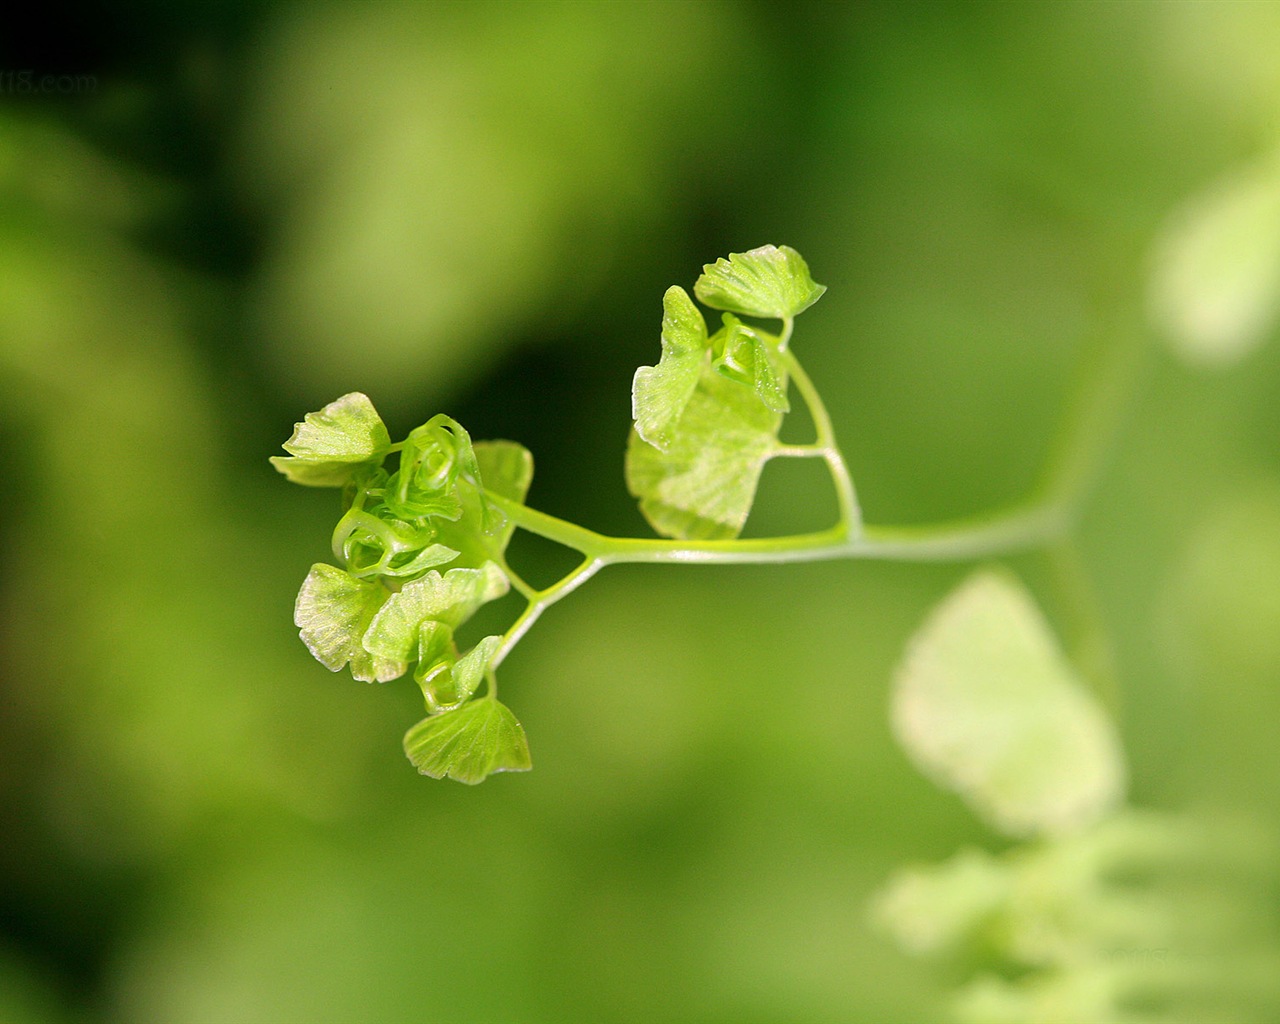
(215, 219)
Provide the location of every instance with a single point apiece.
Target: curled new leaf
(987, 705)
(332, 613)
(447, 682)
(506, 469)
(772, 281)
(660, 393)
(746, 357)
(469, 744)
(435, 648)
(371, 546)
(330, 445)
(433, 458)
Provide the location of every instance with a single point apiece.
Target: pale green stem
(1044, 518)
(846, 496)
(525, 590)
(1094, 651)
(799, 451)
(1095, 413)
(1017, 529)
(539, 602)
(784, 339)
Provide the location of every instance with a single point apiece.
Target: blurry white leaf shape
(986, 704)
(1215, 282)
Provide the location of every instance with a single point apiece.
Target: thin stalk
(1016, 529)
(1095, 413)
(846, 495)
(523, 587)
(540, 602)
(1093, 648)
(1043, 519)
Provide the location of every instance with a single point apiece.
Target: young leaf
(748, 359)
(703, 485)
(506, 469)
(370, 546)
(329, 445)
(434, 456)
(452, 599)
(660, 393)
(469, 744)
(986, 704)
(332, 613)
(470, 668)
(435, 647)
(447, 684)
(772, 281)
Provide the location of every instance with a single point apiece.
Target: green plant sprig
(421, 547)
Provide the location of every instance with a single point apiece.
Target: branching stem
(540, 601)
(1043, 519)
(846, 496)
(1017, 529)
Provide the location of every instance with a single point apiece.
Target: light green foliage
(937, 908)
(332, 612)
(390, 606)
(448, 684)
(985, 702)
(659, 394)
(507, 470)
(751, 357)
(435, 457)
(772, 281)
(328, 446)
(703, 485)
(469, 744)
(707, 419)
(706, 426)
(987, 705)
(218, 832)
(373, 546)
(451, 598)
(1142, 910)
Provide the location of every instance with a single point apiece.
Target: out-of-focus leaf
(1215, 286)
(772, 281)
(936, 908)
(424, 214)
(333, 611)
(986, 704)
(469, 744)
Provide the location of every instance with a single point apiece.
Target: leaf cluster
(419, 549)
(707, 415)
(425, 522)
